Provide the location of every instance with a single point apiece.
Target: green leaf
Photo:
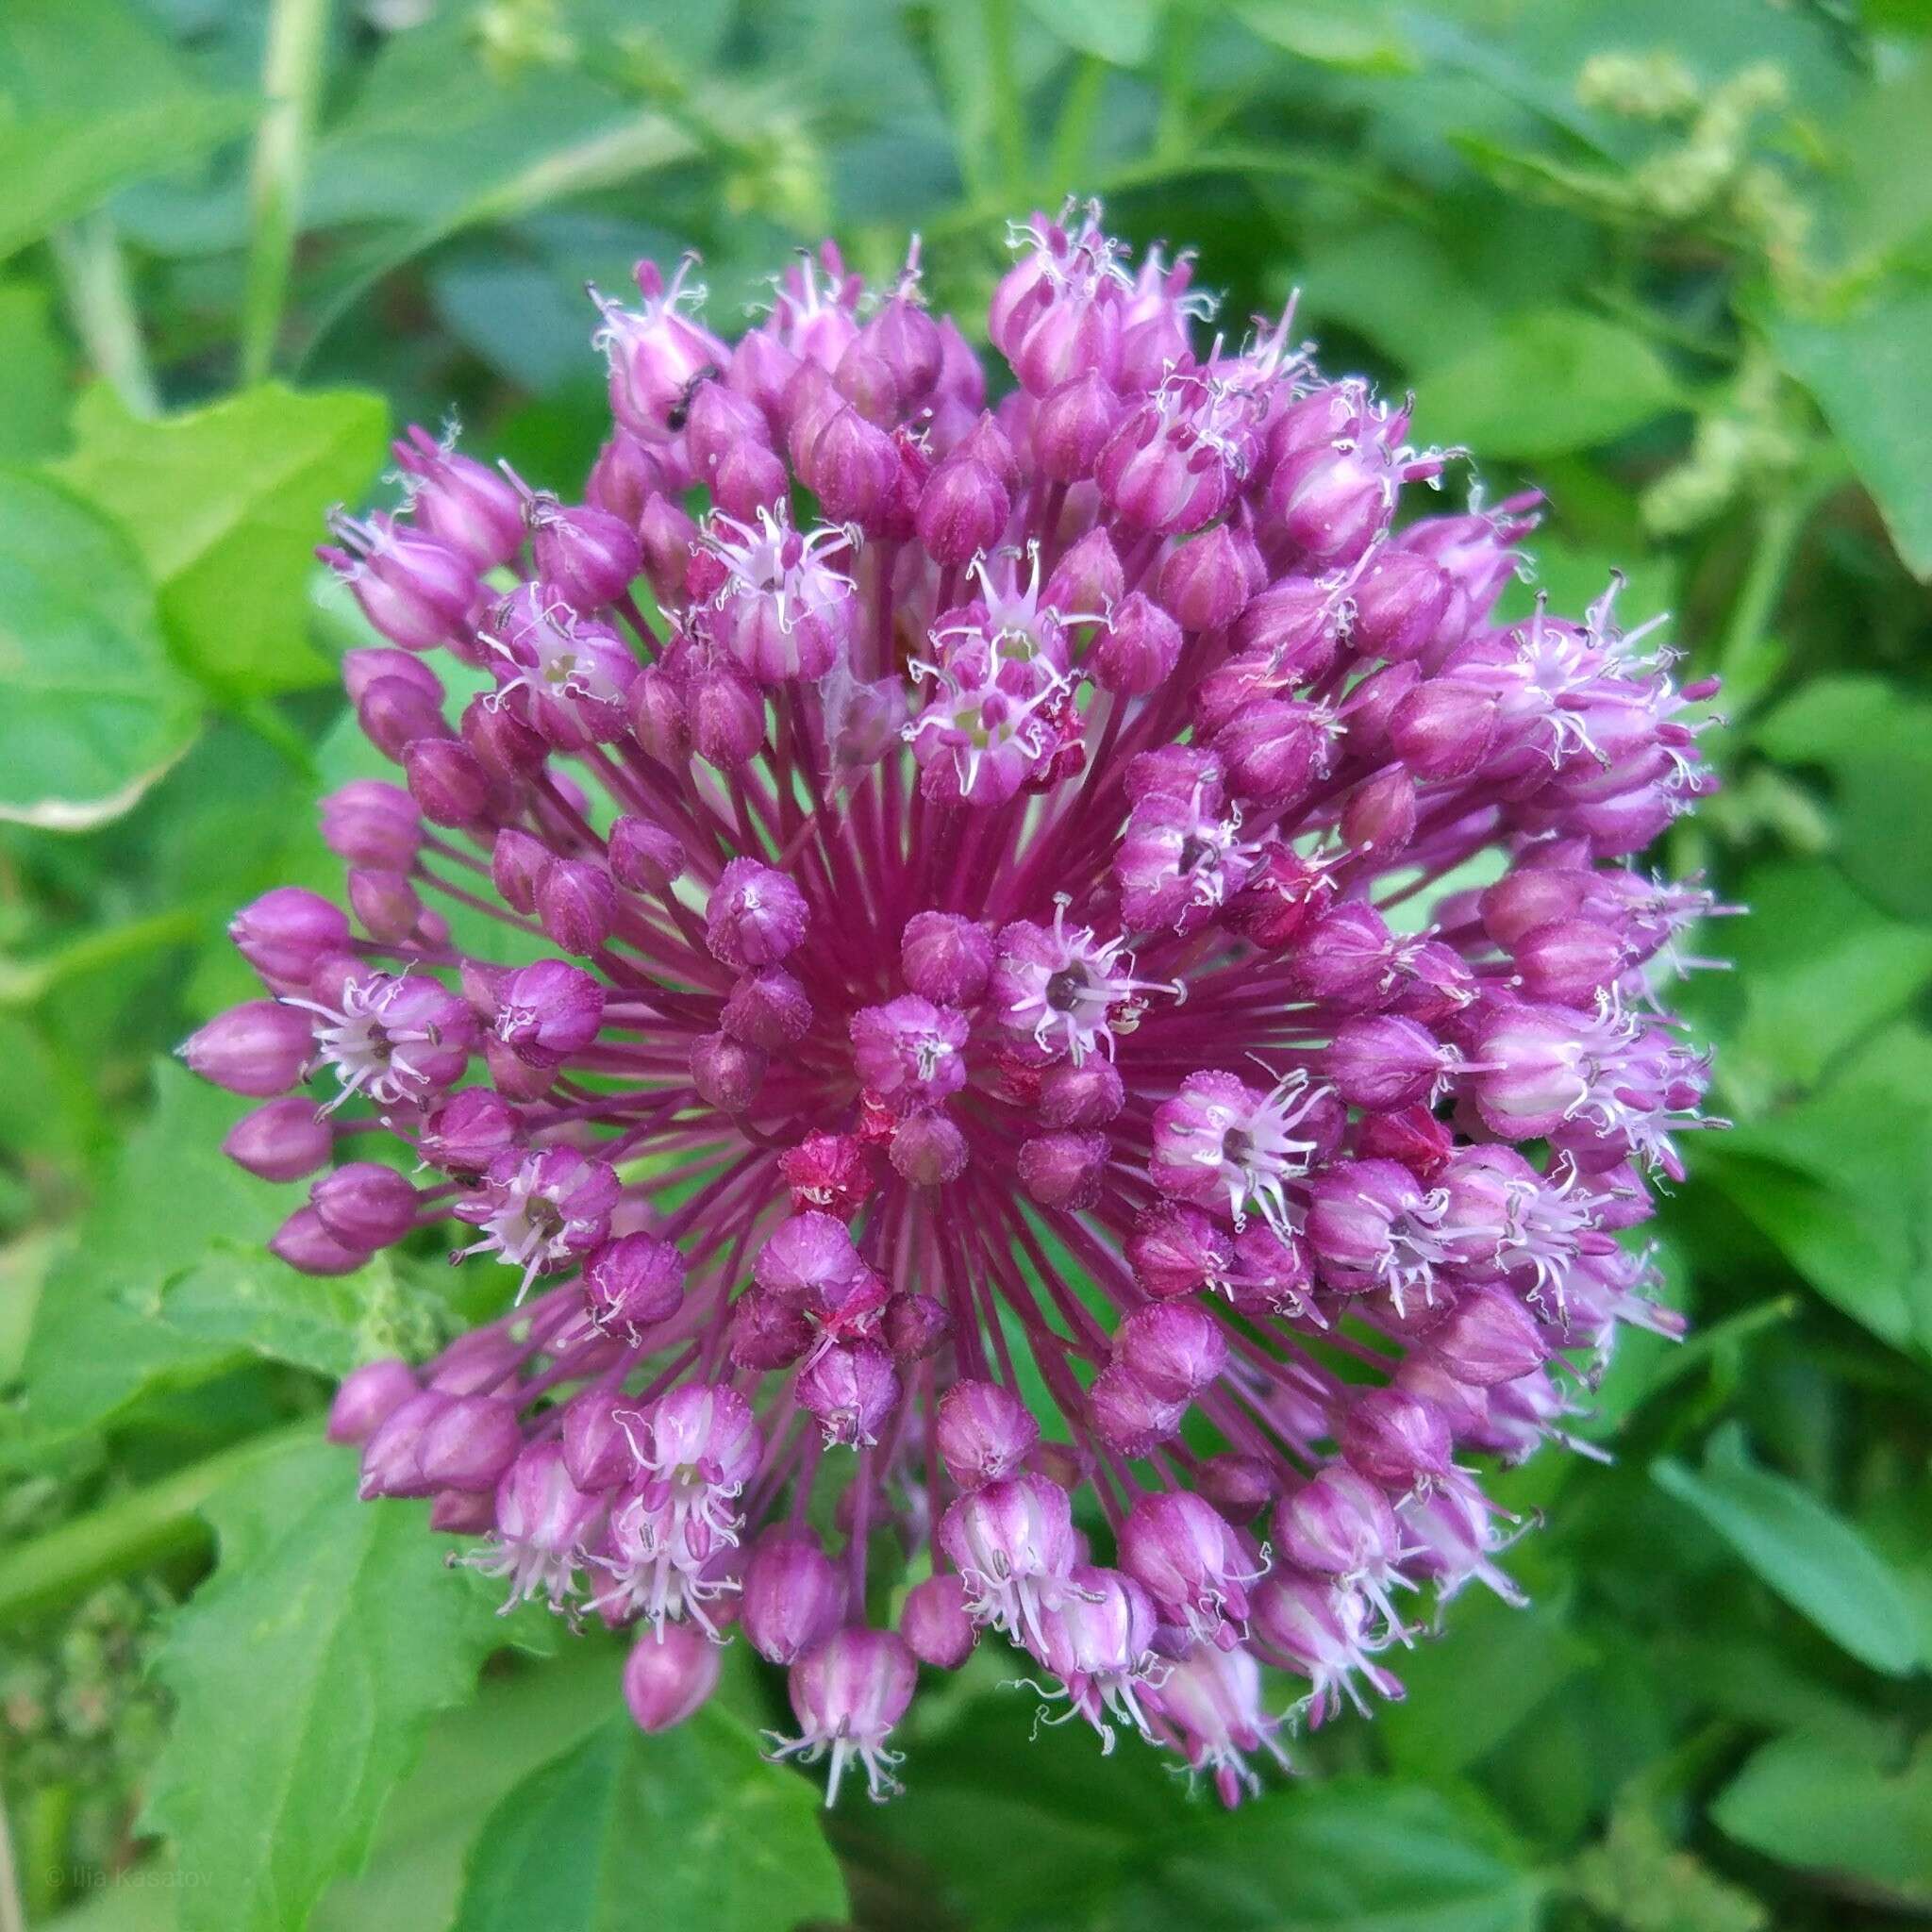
(1466, 1694)
(227, 504)
(1361, 37)
(694, 1821)
(92, 713)
(1875, 742)
(473, 1757)
(58, 58)
(1118, 31)
(1818, 1807)
(1546, 383)
(1398, 286)
(1819, 968)
(167, 1282)
(1811, 1555)
(58, 166)
(1087, 1842)
(1350, 1854)
(1842, 1183)
(244, 1300)
(1871, 375)
(304, 1674)
(33, 400)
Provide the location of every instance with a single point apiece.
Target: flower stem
(1009, 119)
(93, 278)
(131, 1532)
(1778, 532)
(291, 79)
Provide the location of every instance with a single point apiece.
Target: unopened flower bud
(282, 1140)
(258, 1048)
(368, 1397)
(935, 1622)
(364, 1205)
(726, 1072)
(793, 1598)
(670, 1674)
(632, 1283)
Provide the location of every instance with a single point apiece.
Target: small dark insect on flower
(679, 412)
(1093, 1000)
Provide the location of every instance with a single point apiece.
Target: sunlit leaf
(304, 1674)
(91, 711)
(227, 504)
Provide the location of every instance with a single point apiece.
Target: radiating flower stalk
(1049, 1008)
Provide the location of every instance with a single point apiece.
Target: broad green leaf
(1871, 375)
(1875, 742)
(1842, 1182)
(1811, 1555)
(1495, 1665)
(473, 1757)
(59, 58)
(1348, 1855)
(1814, 1804)
(1359, 35)
(1118, 31)
(58, 166)
(1091, 1842)
(1546, 383)
(168, 1281)
(1065, 1818)
(304, 1674)
(33, 399)
(1880, 187)
(91, 711)
(227, 503)
(1398, 284)
(246, 1300)
(1818, 966)
(695, 1821)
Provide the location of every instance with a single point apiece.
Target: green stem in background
(974, 217)
(292, 81)
(1778, 532)
(94, 279)
(12, 1912)
(132, 1531)
(275, 730)
(25, 981)
(1009, 109)
(1072, 137)
(1174, 131)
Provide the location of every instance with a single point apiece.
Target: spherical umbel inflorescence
(1033, 984)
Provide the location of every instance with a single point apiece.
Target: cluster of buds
(998, 1101)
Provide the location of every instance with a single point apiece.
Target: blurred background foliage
(1672, 258)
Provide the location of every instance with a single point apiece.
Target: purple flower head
(963, 1031)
